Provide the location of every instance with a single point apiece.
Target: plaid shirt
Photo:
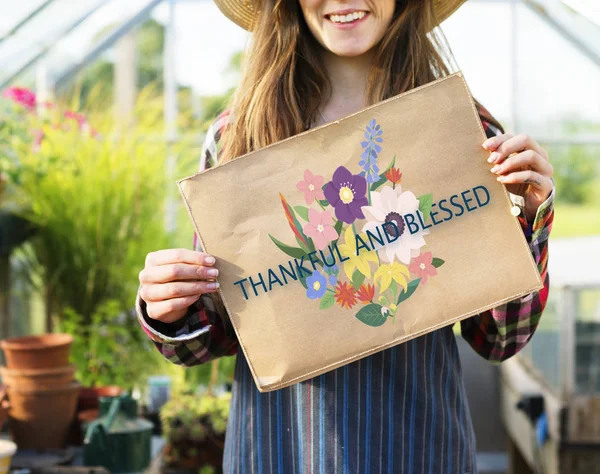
(313, 425)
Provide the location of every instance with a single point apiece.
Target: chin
(349, 50)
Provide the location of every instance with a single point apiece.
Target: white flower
(391, 205)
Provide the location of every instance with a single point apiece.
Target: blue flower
(371, 150)
(317, 285)
(333, 270)
(333, 280)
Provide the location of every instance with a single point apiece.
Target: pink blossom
(38, 137)
(21, 96)
(311, 187)
(422, 266)
(320, 228)
(79, 118)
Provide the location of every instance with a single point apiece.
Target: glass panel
(542, 353)
(587, 342)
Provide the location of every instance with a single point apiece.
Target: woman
(402, 410)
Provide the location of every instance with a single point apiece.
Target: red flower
(345, 295)
(21, 96)
(394, 176)
(422, 267)
(366, 293)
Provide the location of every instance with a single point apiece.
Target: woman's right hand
(172, 280)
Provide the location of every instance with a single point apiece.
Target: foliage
(575, 171)
(111, 350)
(96, 197)
(194, 429)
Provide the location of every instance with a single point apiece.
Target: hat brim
(243, 12)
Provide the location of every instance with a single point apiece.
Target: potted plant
(194, 431)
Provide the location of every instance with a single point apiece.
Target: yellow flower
(360, 261)
(394, 271)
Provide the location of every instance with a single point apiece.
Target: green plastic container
(118, 440)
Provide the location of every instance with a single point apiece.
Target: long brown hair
(284, 80)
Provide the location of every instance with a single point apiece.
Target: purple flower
(346, 192)
(371, 149)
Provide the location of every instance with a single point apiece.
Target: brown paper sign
(361, 234)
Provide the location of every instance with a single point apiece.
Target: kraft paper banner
(360, 234)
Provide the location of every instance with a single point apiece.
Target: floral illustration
(320, 228)
(311, 186)
(423, 267)
(346, 192)
(389, 206)
(357, 238)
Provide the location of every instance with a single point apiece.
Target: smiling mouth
(350, 17)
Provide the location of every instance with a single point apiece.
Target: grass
(576, 220)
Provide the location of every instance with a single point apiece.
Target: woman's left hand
(523, 166)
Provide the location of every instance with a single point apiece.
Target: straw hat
(243, 12)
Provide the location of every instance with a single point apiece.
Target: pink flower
(422, 266)
(21, 96)
(38, 137)
(79, 118)
(319, 228)
(311, 187)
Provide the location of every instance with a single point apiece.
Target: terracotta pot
(41, 418)
(38, 378)
(37, 352)
(89, 397)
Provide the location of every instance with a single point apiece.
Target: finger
(494, 142)
(161, 309)
(177, 272)
(526, 159)
(527, 177)
(171, 256)
(167, 291)
(515, 144)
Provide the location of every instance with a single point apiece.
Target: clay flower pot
(37, 352)
(41, 418)
(89, 397)
(38, 378)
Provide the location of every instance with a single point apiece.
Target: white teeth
(350, 17)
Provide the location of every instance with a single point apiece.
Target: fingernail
(495, 168)
(209, 260)
(213, 272)
(488, 143)
(500, 178)
(493, 157)
(213, 285)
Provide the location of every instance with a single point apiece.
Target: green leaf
(437, 262)
(302, 246)
(302, 212)
(327, 301)
(412, 286)
(394, 289)
(286, 249)
(311, 246)
(357, 279)
(425, 203)
(371, 315)
(383, 179)
(323, 202)
(338, 227)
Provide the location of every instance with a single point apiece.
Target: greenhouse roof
(51, 32)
